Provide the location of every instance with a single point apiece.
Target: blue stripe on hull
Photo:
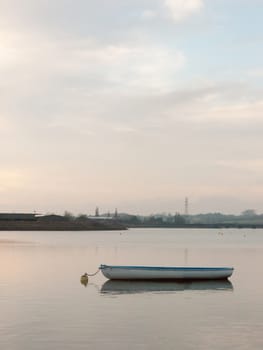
(160, 268)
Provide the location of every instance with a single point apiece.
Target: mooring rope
(91, 274)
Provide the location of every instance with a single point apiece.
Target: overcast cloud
(132, 104)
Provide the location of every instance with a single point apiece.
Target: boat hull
(165, 273)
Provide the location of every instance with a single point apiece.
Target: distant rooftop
(18, 216)
(100, 217)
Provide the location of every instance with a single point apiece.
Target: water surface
(44, 306)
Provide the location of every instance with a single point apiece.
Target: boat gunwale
(168, 268)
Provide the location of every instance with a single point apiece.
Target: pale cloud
(248, 111)
(211, 103)
(149, 14)
(105, 67)
(129, 66)
(124, 129)
(5, 124)
(12, 179)
(253, 165)
(258, 73)
(10, 53)
(181, 9)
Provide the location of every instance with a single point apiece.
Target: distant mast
(97, 212)
(186, 206)
(116, 213)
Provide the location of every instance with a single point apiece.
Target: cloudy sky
(133, 104)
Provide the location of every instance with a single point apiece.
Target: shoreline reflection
(134, 287)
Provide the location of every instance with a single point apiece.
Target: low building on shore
(18, 216)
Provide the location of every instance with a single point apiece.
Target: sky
(131, 104)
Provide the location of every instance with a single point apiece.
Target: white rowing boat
(165, 273)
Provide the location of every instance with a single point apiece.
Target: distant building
(18, 216)
(100, 218)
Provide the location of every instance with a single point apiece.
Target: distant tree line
(247, 217)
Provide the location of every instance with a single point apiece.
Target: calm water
(44, 306)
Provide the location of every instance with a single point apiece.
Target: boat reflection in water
(134, 287)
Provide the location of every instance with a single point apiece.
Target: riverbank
(59, 223)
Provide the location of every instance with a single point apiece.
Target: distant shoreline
(216, 226)
(52, 227)
(69, 222)
(59, 223)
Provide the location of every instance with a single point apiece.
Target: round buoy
(84, 279)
